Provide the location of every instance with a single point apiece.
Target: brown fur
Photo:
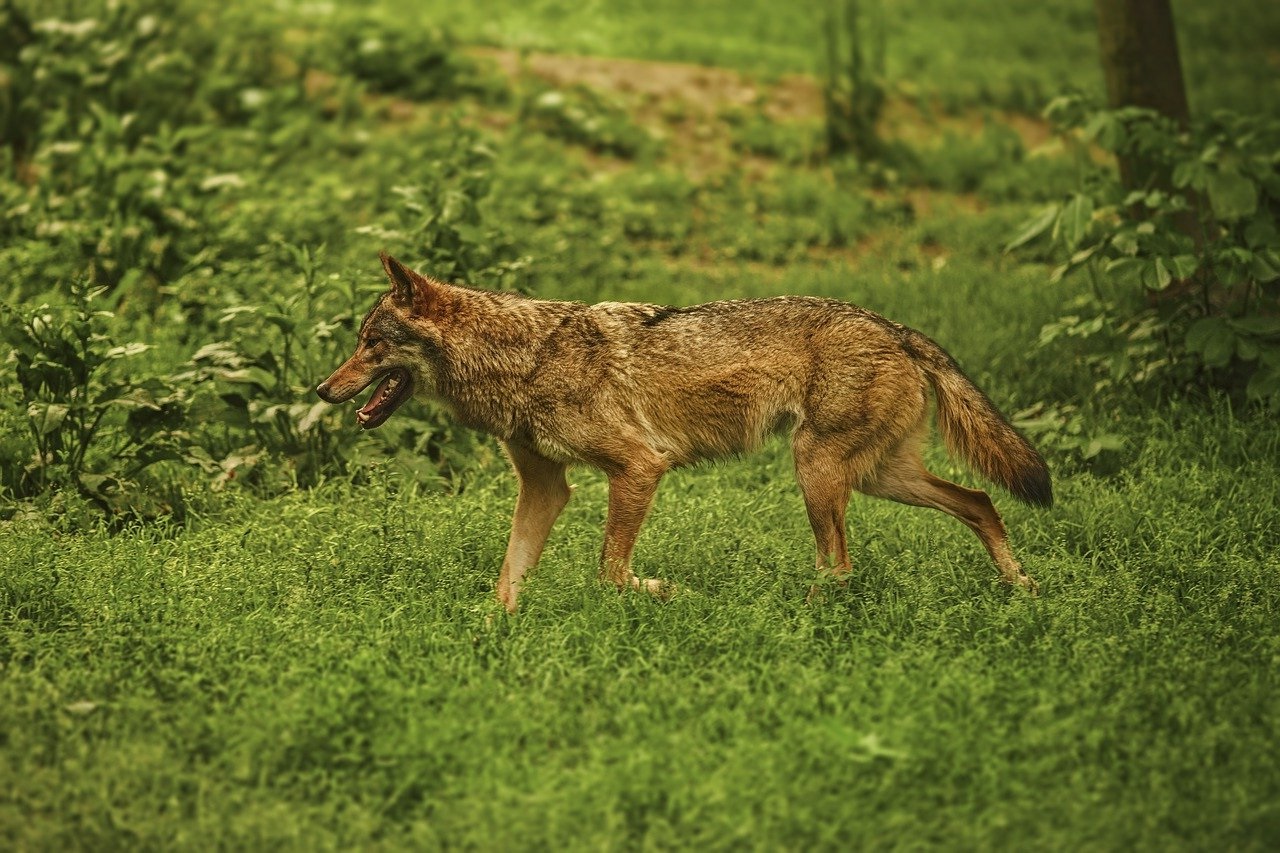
(636, 390)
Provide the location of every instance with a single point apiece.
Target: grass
(327, 669)
(265, 666)
(940, 49)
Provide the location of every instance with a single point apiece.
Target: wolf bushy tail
(975, 430)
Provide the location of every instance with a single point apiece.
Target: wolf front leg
(631, 491)
(543, 494)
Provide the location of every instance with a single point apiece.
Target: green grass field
(297, 646)
(328, 669)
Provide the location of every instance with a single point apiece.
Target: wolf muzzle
(326, 393)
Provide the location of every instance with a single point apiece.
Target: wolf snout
(326, 393)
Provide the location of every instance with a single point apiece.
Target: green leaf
(1232, 195)
(1073, 223)
(1263, 384)
(1099, 443)
(283, 322)
(1183, 266)
(1261, 232)
(1190, 173)
(1213, 339)
(249, 376)
(1265, 265)
(218, 352)
(1125, 242)
(1155, 275)
(137, 398)
(47, 417)
(312, 417)
(1121, 365)
(1259, 326)
(1105, 129)
(126, 350)
(1034, 227)
(100, 484)
(1127, 270)
(1219, 351)
(1083, 255)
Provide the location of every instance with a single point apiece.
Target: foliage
(93, 424)
(421, 63)
(144, 128)
(755, 133)
(1204, 249)
(584, 117)
(261, 374)
(115, 112)
(1065, 429)
(440, 222)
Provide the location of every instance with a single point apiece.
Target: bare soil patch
(710, 92)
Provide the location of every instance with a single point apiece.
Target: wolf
(636, 390)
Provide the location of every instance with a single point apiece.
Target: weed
(92, 426)
(440, 222)
(754, 133)
(584, 117)
(422, 63)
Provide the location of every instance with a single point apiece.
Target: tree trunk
(1142, 69)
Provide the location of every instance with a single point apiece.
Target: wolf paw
(659, 589)
(826, 584)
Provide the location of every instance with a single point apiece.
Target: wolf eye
(372, 342)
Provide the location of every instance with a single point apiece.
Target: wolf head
(397, 343)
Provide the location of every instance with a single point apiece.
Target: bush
(1185, 273)
(582, 116)
(92, 424)
(422, 63)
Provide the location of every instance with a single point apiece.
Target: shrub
(438, 223)
(422, 63)
(91, 423)
(1173, 303)
(583, 116)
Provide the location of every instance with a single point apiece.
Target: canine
(637, 389)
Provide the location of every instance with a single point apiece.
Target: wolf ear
(409, 289)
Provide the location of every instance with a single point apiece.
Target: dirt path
(656, 91)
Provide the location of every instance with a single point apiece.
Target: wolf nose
(323, 390)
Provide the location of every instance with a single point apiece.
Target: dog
(637, 389)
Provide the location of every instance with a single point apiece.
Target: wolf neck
(490, 351)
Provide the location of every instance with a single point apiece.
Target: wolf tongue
(379, 396)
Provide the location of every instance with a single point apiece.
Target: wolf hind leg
(902, 477)
(543, 494)
(826, 472)
(631, 491)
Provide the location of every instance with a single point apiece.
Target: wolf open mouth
(394, 389)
